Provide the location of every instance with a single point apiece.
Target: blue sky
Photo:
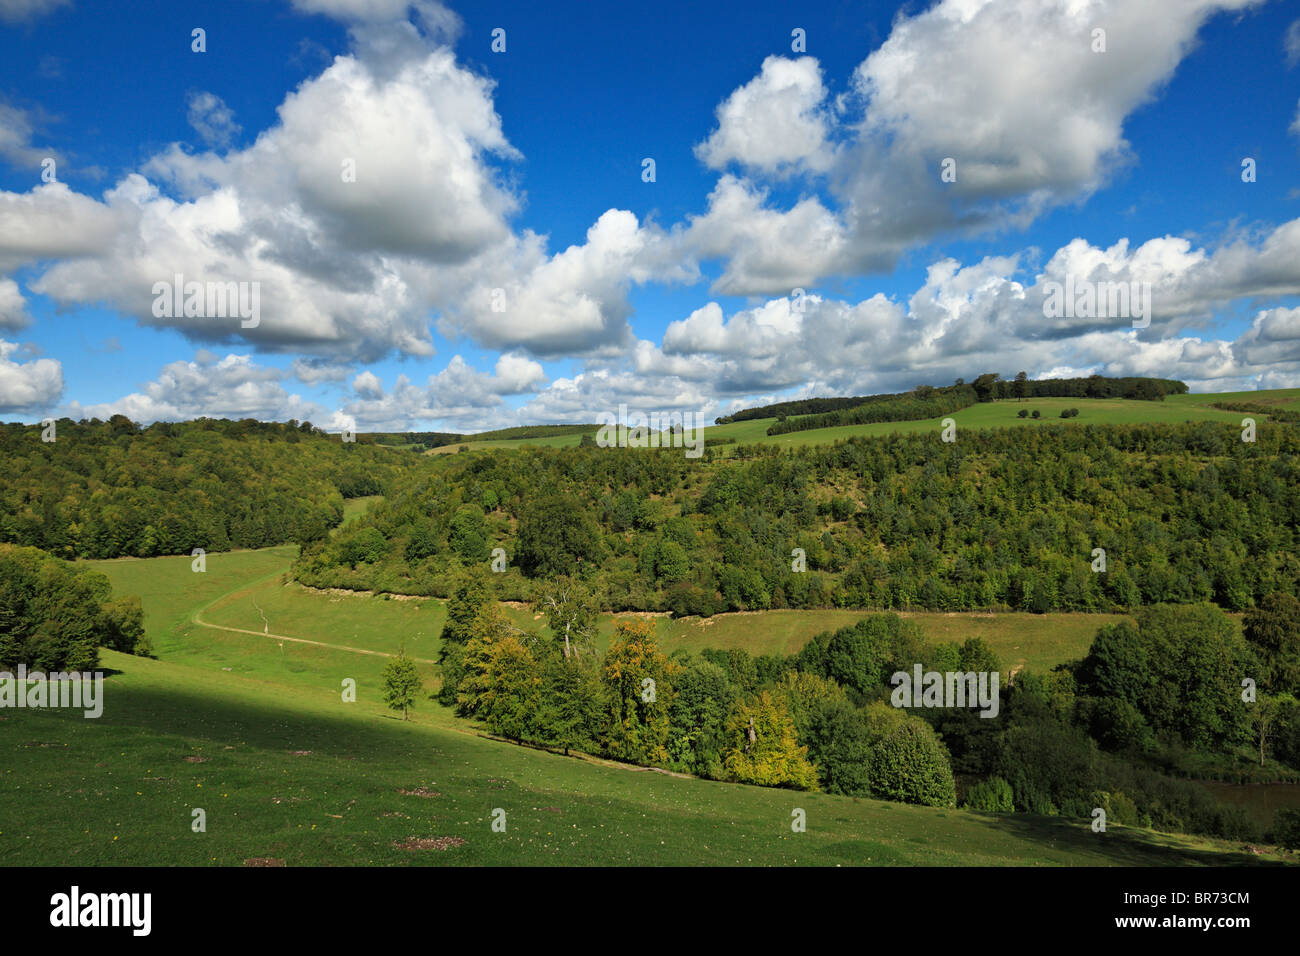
(521, 171)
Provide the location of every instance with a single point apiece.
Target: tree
(908, 760)
(1273, 629)
(402, 683)
(1021, 386)
(1265, 714)
(573, 710)
(571, 609)
(764, 747)
(556, 536)
(502, 685)
(638, 681)
(832, 730)
(703, 696)
(468, 533)
(984, 386)
(470, 597)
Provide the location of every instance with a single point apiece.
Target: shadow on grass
(1124, 846)
(235, 719)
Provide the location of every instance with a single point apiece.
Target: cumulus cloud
(53, 222)
(574, 301)
(353, 214)
(989, 316)
(775, 123)
(1029, 125)
(370, 210)
(27, 388)
(233, 386)
(459, 397)
(765, 250)
(13, 307)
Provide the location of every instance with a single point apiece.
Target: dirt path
(197, 618)
(302, 640)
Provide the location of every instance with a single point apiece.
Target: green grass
(295, 774)
(245, 703)
(240, 587)
(1037, 641)
(1000, 414)
(354, 508)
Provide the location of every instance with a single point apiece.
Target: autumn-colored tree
(763, 747)
(638, 681)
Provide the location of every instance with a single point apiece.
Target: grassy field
(1000, 414)
(293, 774)
(243, 716)
(246, 591)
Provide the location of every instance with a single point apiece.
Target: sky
(460, 217)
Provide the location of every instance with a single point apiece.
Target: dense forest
(1154, 700)
(54, 616)
(999, 519)
(986, 388)
(107, 489)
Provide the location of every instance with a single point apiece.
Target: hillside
(253, 731)
(1001, 518)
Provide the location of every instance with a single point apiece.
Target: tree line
(109, 489)
(985, 388)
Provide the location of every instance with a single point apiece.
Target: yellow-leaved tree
(638, 679)
(763, 747)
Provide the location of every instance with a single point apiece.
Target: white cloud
(1030, 125)
(459, 397)
(343, 266)
(766, 250)
(1291, 43)
(989, 316)
(572, 302)
(51, 221)
(28, 388)
(775, 122)
(233, 386)
(13, 307)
